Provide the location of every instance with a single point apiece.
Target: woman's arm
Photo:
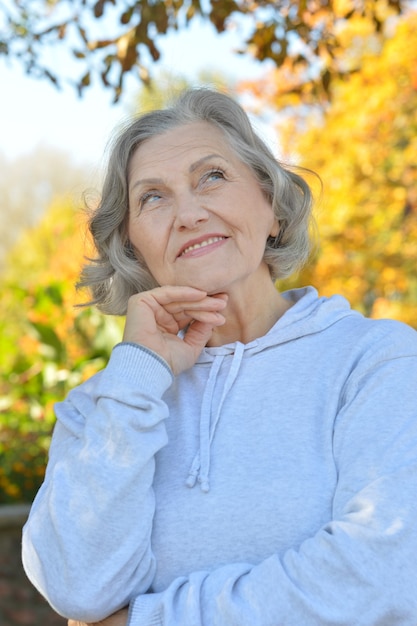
(360, 567)
(86, 545)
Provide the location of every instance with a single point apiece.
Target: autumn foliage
(364, 147)
(109, 40)
(363, 144)
(48, 345)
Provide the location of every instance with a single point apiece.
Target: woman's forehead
(188, 142)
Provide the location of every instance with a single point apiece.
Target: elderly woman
(247, 457)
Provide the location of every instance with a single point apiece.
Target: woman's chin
(207, 284)
(210, 287)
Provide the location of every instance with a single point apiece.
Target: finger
(197, 336)
(206, 317)
(174, 293)
(161, 301)
(181, 313)
(164, 297)
(164, 310)
(220, 296)
(206, 304)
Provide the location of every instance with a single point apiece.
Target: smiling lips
(201, 244)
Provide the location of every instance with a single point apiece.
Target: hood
(308, 314)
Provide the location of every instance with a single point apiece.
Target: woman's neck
(248, 318)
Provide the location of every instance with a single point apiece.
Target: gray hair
(117, 273)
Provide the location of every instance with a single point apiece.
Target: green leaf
(48, 336)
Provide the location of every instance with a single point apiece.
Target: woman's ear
(275, 228)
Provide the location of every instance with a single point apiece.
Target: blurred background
(331, 86)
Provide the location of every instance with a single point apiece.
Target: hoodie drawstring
(200, 467)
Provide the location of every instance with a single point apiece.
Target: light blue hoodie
(273, 484)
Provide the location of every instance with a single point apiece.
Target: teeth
(207, 242)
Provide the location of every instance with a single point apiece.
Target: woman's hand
(155, 317)
(117, 619)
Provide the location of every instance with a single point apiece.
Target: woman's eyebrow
(209, 157)
(146, 181)
(194, 166)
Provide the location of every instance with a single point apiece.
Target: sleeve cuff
(137, 346)
(130, 363)
(145, 610)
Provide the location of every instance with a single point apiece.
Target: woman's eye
(213, 175)
(149, 197)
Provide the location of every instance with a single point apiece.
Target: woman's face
(197, 215)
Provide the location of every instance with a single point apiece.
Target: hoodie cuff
(130, 363)
(145, 610)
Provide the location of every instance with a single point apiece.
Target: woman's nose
(190, 212)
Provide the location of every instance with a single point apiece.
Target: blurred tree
(28, 185)
(166, 85)
(111, 39)
(364, 147)
(47, 345)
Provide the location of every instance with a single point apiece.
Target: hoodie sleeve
(76, 552)
(361, 567)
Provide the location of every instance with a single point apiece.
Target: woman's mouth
(201, 244)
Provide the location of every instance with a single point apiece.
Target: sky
(34, 113)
